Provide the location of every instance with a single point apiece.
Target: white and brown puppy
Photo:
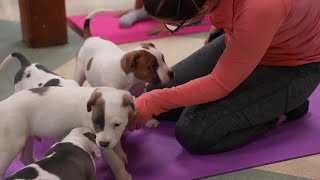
(51, 112)
(33, 75)
(102, 63)
(69, 159)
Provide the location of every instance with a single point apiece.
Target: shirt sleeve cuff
(142, 108)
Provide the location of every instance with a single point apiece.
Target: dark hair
(173, 9)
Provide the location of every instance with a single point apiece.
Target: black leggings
(246, 113)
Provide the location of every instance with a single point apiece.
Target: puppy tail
(22, 59)
(86, 27)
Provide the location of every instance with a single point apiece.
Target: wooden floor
(308, 167)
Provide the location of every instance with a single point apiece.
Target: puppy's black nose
(171, 74)
(104, 144)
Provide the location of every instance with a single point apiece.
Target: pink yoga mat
(106, 26)
(155, 154)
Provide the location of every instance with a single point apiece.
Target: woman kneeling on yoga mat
(235, 88)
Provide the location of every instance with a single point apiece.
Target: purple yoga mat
(155, 154)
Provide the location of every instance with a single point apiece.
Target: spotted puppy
(103, 63)
(73, 153)
(51, 112)
(33, 75)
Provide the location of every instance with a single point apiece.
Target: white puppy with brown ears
(103, 63)
(51, 112)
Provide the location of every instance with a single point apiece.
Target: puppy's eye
(117, 124)
(154, 66)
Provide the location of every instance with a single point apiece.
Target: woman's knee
(194, 136)
(203, 130)
(187, 139)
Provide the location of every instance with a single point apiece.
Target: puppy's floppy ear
(92, 101)
(151, 45)
(127, 100)
(147, 45)
(129, 61)
(90, 136)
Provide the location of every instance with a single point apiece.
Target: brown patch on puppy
(96, 104)
(40, 91)
(86, 29)
(89, 64)
(127, 100)
(147, 45)
(93, 99)
(142, 64)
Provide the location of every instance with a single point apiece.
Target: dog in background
(33, 75)
(69, 159)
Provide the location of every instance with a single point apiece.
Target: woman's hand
(157, 29)
(135, 122)
(212, 29)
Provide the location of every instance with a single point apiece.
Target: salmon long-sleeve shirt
(259, 32)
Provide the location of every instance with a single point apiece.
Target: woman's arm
(253, 33)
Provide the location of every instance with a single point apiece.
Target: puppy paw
(123, 158)
(124, 176)
(122, 155)
(152, 123)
